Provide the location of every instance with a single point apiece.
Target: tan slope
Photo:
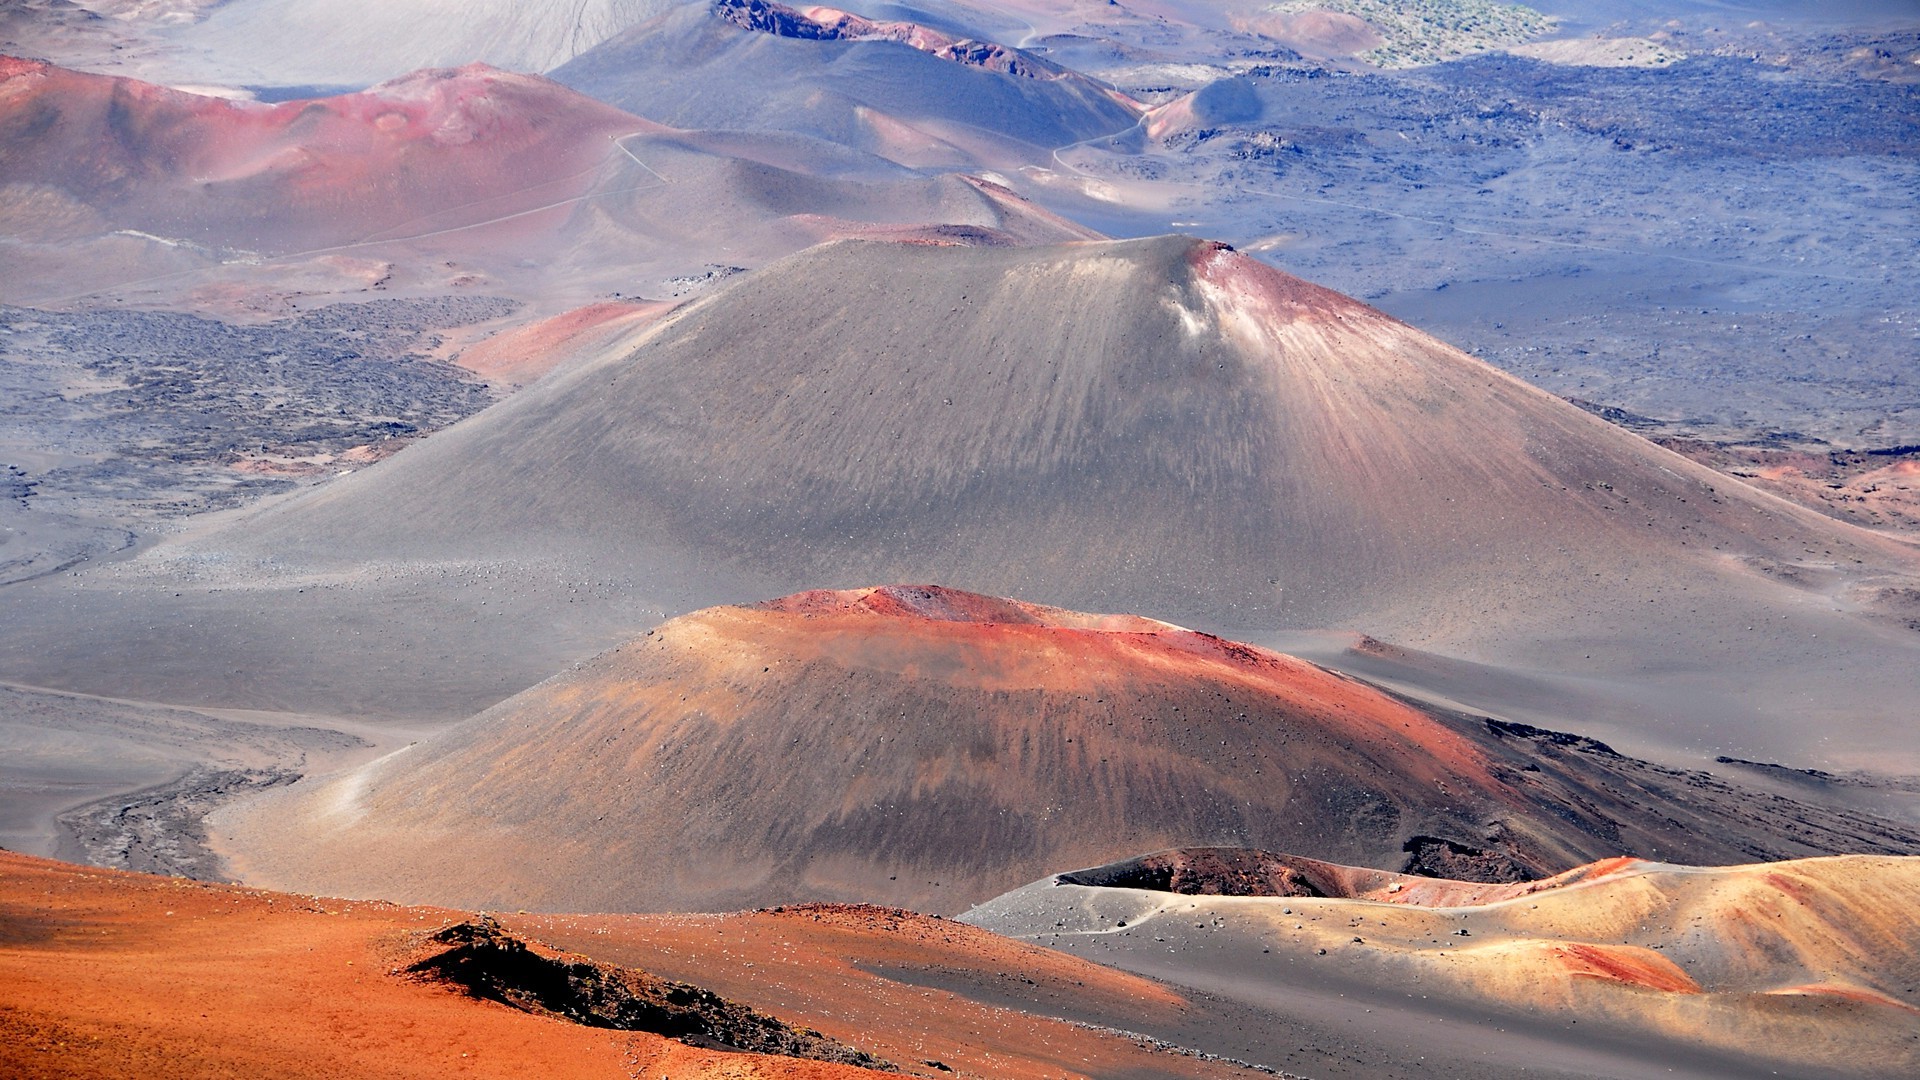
(1809, 966)
(920, 746)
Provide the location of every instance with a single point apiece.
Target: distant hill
(95, 153)
(468, 179)
(355, 42)
(898, 90)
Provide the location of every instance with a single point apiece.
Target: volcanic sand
(525, 353)
(693, 67)
(107, 973)
(1806, 966)
(113, 974)
(1157, 426)
(467, 180)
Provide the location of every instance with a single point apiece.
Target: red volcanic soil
(1878, 489)
(105, 973)
(929, 747)
(112, 974)
(525, 353)
(910, 745)
(908, 988)
(1632, 967)
(431, 150)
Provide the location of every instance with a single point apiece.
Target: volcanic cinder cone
(344, 42)
(109, 152)
(922, 746)
(1162, 426)
(482, 180)
(909, 93)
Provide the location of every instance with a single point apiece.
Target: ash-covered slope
(348, 42)
(921, 746)
(1158, 425)
(469, 180)
(905, 92)
(82, 154)
(104, 973)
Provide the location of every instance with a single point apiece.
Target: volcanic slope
(344, 43)
(928, 747)
(106, 974)
(902, 91)
(1622, 968)
(693, 203)
(467, 180)
(117, 974)
(1160, 426)
(203, 170)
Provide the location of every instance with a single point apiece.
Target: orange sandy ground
(850, 972)
(525, 353)
(112, 974)
(104, 973)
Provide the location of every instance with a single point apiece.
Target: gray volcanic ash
(1225, 445)
(903, 91)
(1224, 441)
(347, 42)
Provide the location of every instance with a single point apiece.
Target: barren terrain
(1232, 449)
(927, 747)
(1625, 968)
(406, 409)
(110, 973)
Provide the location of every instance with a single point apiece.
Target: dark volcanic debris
(481, 958)
(175, 413)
